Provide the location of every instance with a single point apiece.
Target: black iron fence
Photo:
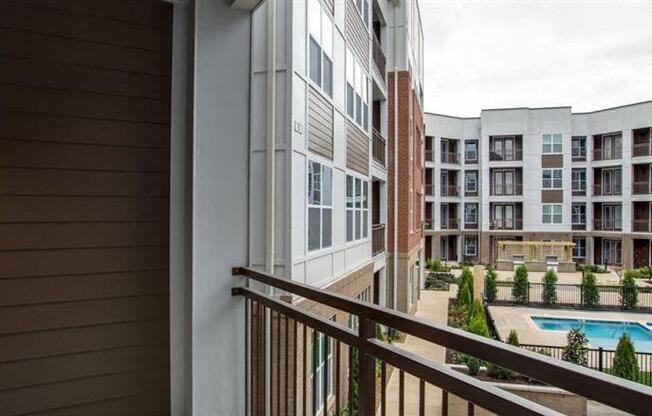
(577, 296)
(600, 359)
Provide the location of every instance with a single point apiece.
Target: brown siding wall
(84, 179)
(320, 124)
(357, 149)
(552, 161)
(357, 33)
(552, 196)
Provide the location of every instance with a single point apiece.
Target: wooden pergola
(529, 251)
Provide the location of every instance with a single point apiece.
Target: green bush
(629, 294)
(464, 302)
(476, 309)
(550, 288)
(512, 338)
(625, 364)
(521, 285)
(576, 349)
(478, 326)
(491, 285)
(466, 278)
(646, 272)
(593, 268)
(590, 293)
(499, 372)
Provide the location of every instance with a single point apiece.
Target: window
(612, 215)
(611, 182)
(503, 216)
(551, 213)
(320, 51)
(471, 182)
(364, 296)
(551, 143)
(579, 180)
(503, 148)
(612, 252)
(612, 146)
(357, 208)
(357, 91)
(503, 182)
(471, 151)
(470, 213)
(322, 358)
(578, 147)
(320, 206)
(552, 178)
(579, 214)
(363, 9)
(579, 250)
(471, 245)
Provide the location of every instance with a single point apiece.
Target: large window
(503, 216)
(578, 147)
(612, 252)
(612, 146)
(551, 213)
(503, 182)
(579, 214)
(503, 148)
(471, 245)
(320, 206)
(611, 182)
(322, 357)
(471, 151)
(363, 9)
(357, 208)
(470, 213)
(320, 52)
(551, 143)
(579, 251)
(471, 182)
(357, 91)
(552, 178)
(612, 217)
(579, 180)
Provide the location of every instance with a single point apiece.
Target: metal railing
(378, 56)
(600, 359)
(599, 154)
(641, 187)
(450, 190)
(450, 157)
(377, 238)
(450, 224)
(608, 297)
(517, 156)
(641, 225)
(278, 377)
(378, 146)
(429, 224)
(429, 155)
(429, 189)
(516, 190)
(641, 149)
(515, 224)
(606, 225)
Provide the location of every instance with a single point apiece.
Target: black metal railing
(378, 146)
(378, 56)
(377, 238)
(575, 296)
(600, 359)
(279, 380)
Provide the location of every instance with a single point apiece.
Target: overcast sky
(495, 54)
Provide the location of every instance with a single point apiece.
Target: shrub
(502, 373)
(590, 292)
(466, 278)
(431, 264)
(464, 302)
(629, 294)
(550, 288)
(646, 272)
(478, 326)
(593, 268)
(476, 309)
(625, 364)
(512, 338)
(521, 285)
(393, 334)
(491, 285)
(576, 349)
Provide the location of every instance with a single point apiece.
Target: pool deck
(507, 318)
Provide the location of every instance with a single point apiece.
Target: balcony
(429, 155)
(641, 225)
(517, 155)
(602, 154)
(429, 189)
(641, 149)
(377, 238)
(599, 190)
(378, 57)
(641, 188)
(429, 224)
(279, 335)
(378, 147)
(606, 225)
(515, 190)
(450, 190)
(450, 157)
(506, 224)
(450, 224)
(642, 142)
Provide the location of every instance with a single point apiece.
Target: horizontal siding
(320, 124)
(357, 149)
(357, 34)
(84, 207)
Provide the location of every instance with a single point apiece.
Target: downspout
(270, 170)
(395, 219)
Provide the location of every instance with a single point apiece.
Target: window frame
(466, 152)
(556, 174)
(361, 207)
(357, 99)
(324, 17)
(551, 215)
(582, 214)
(468, 238)
(321, 205)
(467, 214)
(578, 184)
(553, 140)
(581, 147)
(580, 247)
(467, 174)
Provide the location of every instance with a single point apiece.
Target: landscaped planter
(552, 397)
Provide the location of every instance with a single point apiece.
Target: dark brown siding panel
(552, 161)
(357, 149)
(320, 124)
(357, 34)
(552, 196)
(84, 207)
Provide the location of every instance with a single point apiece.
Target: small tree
(590, 292)
(512, 338)
(625, 364)
(629, 294)
(647, 273)
(491, 285)
(467, 278)
(576, 349)
(478, 326)
(499, 372)
(464, 303)
(550, 288)
(521, 285)
(476, 309)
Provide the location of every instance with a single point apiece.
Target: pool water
(603, 334)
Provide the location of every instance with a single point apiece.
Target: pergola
(539, 251)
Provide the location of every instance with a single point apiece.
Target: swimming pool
(603, 334)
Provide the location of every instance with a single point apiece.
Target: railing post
(600, 359)
(367, 374)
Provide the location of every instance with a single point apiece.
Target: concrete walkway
(433, 306)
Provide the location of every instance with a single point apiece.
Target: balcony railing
(600, 224)
(506, 157)
(378, 56)
(517, 190)
(599, 154)
(599, 190)
(515, 224)
(450, 190)
(429, 224)
(641, 226)
(641, 188)
(278, 366)
(378, 146)
(578, 226)
(377, 238)
(429, 189)
(450, 157)
(430, 155)
(642, 149)
(450, 224)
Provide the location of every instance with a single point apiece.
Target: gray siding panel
(320, 124)
(357, 34)
(357, 149)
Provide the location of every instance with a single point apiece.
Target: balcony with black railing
(378, 56)
(378, 146)
(281, 376)
(377, 238)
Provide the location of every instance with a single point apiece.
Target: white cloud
(494, 54)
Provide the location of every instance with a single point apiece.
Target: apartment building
(540, 174)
